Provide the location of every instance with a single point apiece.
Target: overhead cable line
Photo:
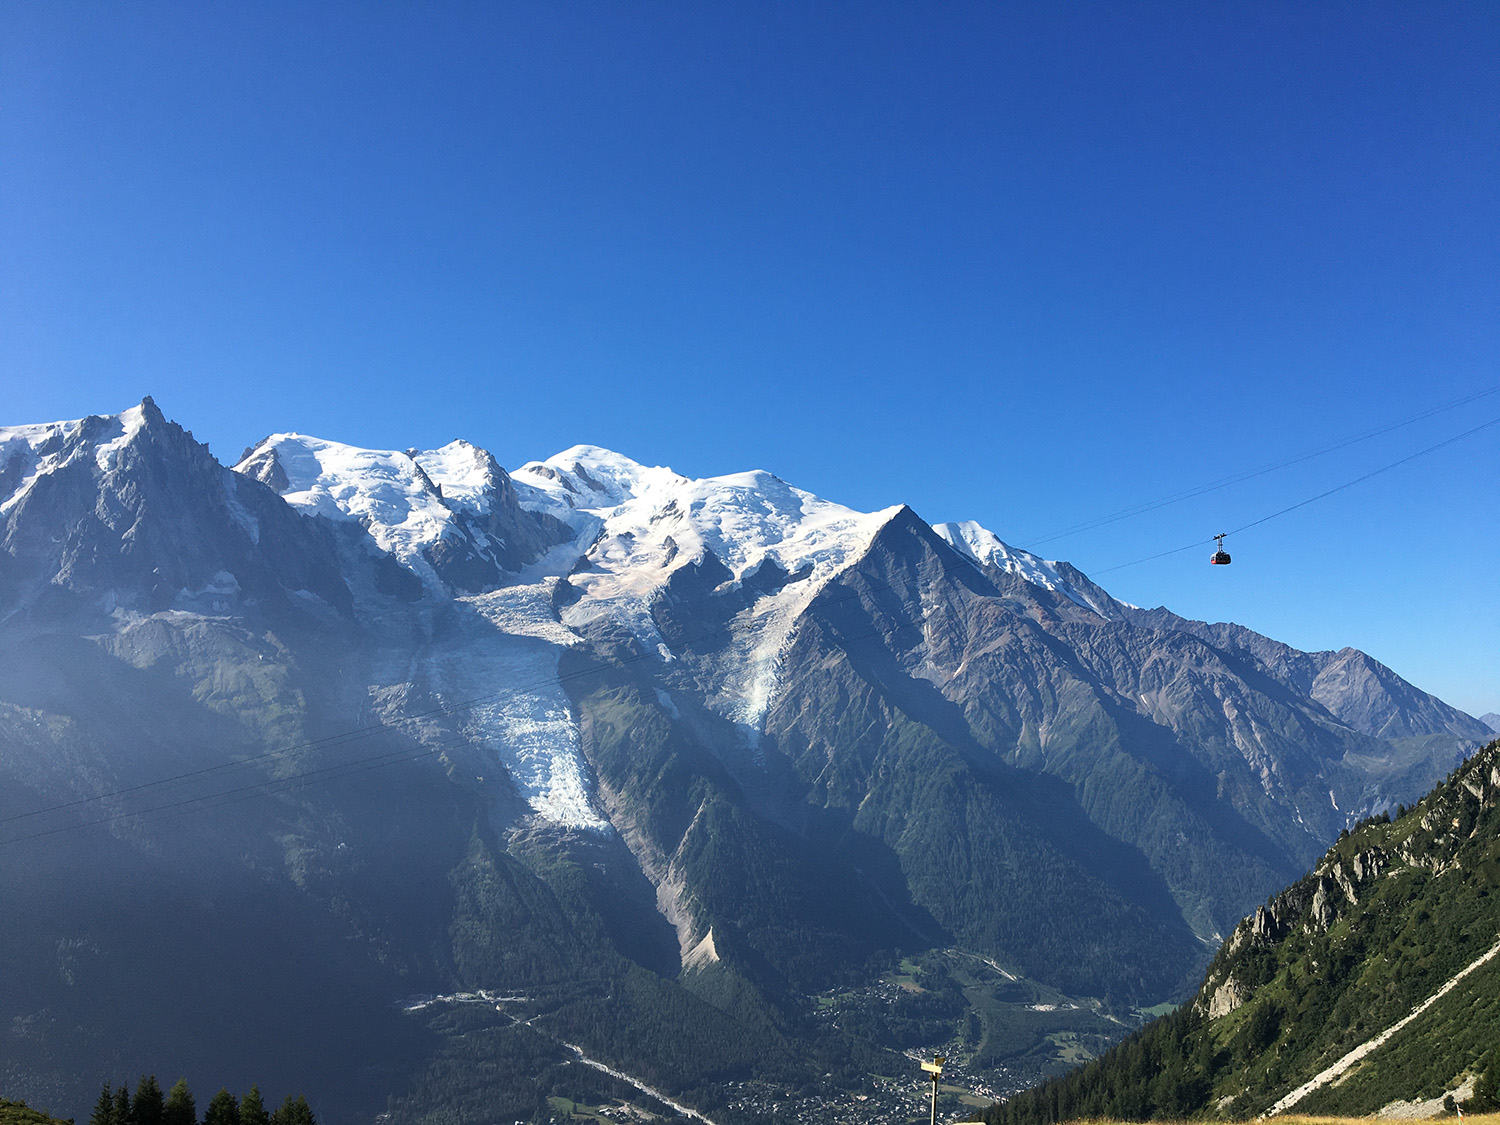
(1311, 499)
(1251, 474)
(269, 787)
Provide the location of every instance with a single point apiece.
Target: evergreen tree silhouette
(148, 1102)
(104, 1108)
(223, 1110)
(180, 1108)
(293, 1111)
(253, 1109)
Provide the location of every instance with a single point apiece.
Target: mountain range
(444, 789)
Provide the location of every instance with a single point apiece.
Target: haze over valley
(712, 788)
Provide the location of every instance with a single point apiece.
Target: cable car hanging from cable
(1220, 557)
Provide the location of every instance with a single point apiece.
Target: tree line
(177, 1107)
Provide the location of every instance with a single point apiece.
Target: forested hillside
(1395, 911)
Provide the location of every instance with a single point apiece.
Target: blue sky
(1024, 263)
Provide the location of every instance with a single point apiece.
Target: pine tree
(1487, 1086)
(123, 1108)
(104, 1108)
(148, 1102)
(180, 1108)
(293, 1111)
(223, 1110)
(253, 1109)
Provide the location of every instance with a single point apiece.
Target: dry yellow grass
(1298, 1119)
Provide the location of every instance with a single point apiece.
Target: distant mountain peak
(449, 515)
(988, 549)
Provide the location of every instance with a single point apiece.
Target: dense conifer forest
(149, 1106)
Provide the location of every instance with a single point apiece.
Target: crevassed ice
(503, 662)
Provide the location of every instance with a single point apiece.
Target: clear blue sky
(1027, 263)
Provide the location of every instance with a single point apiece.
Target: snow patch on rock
(983, 546)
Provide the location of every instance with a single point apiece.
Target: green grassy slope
(1392, 912)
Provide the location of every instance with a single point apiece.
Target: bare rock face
(1354, 687)
(130, 510)
(1371, 698)
(1226, 998)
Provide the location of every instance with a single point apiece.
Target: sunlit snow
(48, 447)
(984, 546)
(634, 526)
(652, 521)
(385, 490)
(464, 473)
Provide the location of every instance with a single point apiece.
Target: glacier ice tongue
(500, 667)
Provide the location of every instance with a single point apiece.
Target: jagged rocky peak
(30, 452)
(128, 509)
(261, 462)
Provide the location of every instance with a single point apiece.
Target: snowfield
(633, 526)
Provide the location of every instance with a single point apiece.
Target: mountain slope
(632, 752)
(1372, 980)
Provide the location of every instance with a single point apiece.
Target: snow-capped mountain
(720, 743)
(985, 547)
(128, 510)
(468, 539)
(637, 527)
